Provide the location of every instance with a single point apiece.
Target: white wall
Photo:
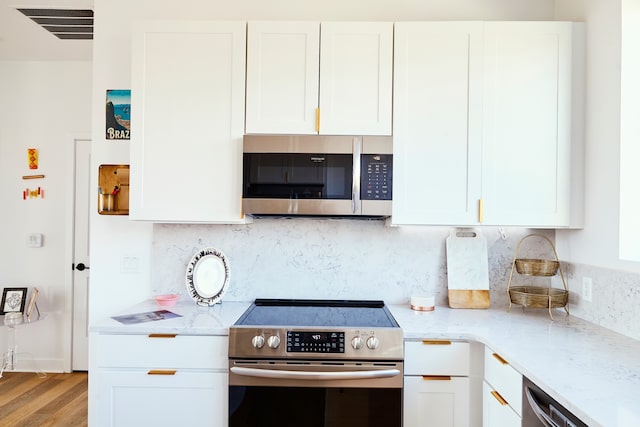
(598, 243)
(629, 131)
(43, 105)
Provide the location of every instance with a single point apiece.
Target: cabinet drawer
(495, 411)
(161, 351)
(127, 398)
(503, 378)
(436, 357)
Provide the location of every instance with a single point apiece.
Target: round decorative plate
(207, 276)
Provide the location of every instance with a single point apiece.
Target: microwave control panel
(376, 176)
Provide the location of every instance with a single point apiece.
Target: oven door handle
(310, 375)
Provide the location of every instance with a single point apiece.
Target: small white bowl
(167, 300)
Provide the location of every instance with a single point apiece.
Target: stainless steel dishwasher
(540, 409)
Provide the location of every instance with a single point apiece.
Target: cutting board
(467, 269)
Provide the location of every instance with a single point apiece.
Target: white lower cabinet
(496, 412)
(164, 398)
(501, 392)
(436, 401)
(158, 379)
(438, 384)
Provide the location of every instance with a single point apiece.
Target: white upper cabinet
(188, 87)
(527, 135)
(487, 120)
(330, 78)
(437, 122)
(356, 70)
(283, 67)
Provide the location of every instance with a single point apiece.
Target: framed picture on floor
(13, 300)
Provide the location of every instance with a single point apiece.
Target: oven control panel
(315, 342)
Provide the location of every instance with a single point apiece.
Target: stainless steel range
(331, 362)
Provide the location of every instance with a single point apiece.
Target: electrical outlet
(587, 294)
(34, 240)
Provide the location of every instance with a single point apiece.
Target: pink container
(167, 300)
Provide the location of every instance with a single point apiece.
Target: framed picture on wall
(13, 300)
(118, 118)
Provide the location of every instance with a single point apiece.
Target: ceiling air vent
(66, 24)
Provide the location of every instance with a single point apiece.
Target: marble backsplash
(614, 300)
(361, 259)
(328, 258)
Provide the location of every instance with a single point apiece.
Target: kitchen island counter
(592, 371)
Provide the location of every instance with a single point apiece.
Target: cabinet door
(495, 411)
(438, 402)
(436, 126)
(282, 77)
(527, 123)
(136, 398)
(188, 121)
(356, 64)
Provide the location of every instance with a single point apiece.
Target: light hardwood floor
(29, 400)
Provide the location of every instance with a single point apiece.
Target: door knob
(81, 267)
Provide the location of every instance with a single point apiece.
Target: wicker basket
(538, 297)
(537, 267)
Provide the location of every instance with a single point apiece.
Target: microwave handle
(542, 416)
(355, 186)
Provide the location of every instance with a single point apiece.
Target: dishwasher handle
(540, 413)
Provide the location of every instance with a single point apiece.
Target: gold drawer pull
(499, 398)
(163, 335)
(162, 372)
(436, 342)
(500, 359)
(436, 377)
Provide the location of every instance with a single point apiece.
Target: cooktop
(318, 313)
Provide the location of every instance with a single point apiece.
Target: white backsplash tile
(614, 302)
(325, 258)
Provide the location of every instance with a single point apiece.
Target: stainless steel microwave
(317, 175)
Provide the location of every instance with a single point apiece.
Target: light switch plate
(34, 240)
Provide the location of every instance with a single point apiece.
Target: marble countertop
(592, 371)
(193, 320)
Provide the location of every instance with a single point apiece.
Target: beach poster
(118, 109)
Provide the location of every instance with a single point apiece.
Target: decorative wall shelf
(113, 191)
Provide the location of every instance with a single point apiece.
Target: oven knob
(357, 342)
(373, 343)
(273, 341)
(258, 341)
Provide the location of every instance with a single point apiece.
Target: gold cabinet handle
(500, 359)
(499, 398)
(317, 119)
(436, 342)
(163, 335)
(436, 377)
(162, 372)
(481, 210)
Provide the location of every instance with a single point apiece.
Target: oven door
(315, 393)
